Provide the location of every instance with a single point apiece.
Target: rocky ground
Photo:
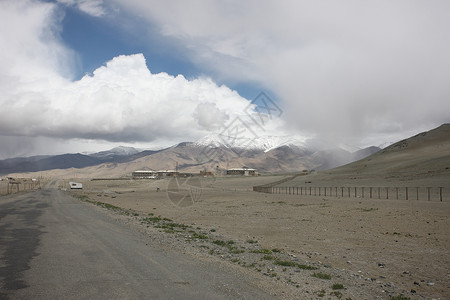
(301, 247)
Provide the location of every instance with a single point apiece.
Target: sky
(89, 75)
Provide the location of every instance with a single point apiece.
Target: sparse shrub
(321, 293)
(252, 241)
(196, 235)
(337, 294)
(268, 257)
(285, 263)
(263, 251)
(219, 243)
(337, 286)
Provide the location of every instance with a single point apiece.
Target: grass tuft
(337, 286)
(263, 251)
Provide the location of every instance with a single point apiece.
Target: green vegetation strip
(287, 263)
(263, 251)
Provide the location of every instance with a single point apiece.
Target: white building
(75, 185)
(146, 174)
(244, 171)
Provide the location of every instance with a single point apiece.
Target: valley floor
(375, 248)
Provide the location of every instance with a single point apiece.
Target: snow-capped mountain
(268, 154)
(262, 143)
(117, 151)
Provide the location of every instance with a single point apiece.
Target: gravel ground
(370, 249)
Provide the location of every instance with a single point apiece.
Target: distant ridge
(267, 154)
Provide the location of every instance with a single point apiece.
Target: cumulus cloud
(210, 117)
(346, 69)
(120, 102)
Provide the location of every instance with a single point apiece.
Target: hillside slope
(424, 157)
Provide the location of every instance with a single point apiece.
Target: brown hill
(423, 159)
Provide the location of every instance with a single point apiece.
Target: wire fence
(15, 186)
(441, 194)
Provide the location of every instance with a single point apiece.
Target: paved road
(55, 247)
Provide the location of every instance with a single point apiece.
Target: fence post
(348, 192)
(362, 192)
(396, 190)
(355, 191)
(428, 193)
(342, 191)
(387, 193)
(370, 192)
(319, 190)
(417, 193)
(440, 193)
(379, 193)
(310, 191)
(406, 191)
(325, 191)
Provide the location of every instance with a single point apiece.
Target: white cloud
(210, 117)
(120, 102)
(341, 68)
(94, 8)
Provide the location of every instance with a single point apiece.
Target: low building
(144, 174)
(167, 173)
(75, 185)
(244, 171)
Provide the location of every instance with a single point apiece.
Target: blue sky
(98, 40)
(88, 75)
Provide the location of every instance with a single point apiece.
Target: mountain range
(421, 160)
(268, 155)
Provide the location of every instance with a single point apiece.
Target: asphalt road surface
(53, 246)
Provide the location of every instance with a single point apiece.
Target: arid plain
(386, 247)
